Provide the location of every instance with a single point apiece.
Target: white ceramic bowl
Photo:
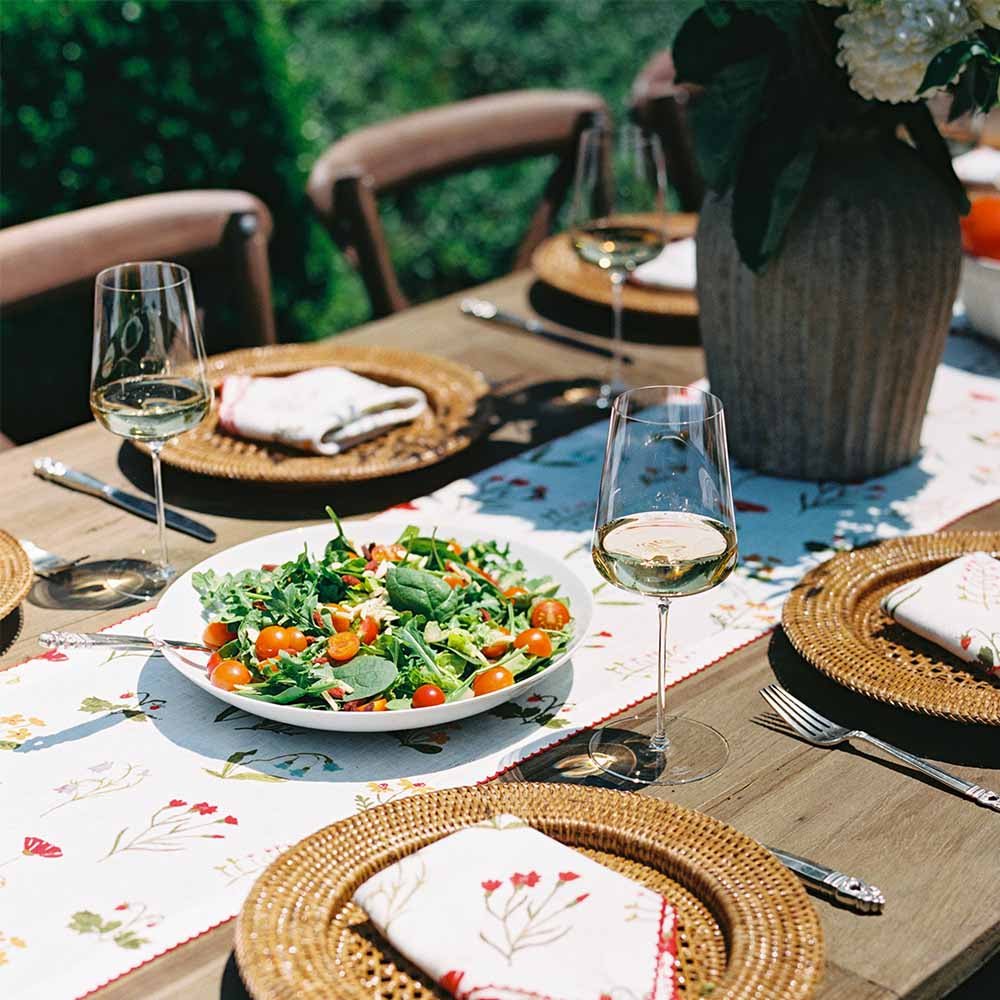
(980, 294)
(179, 615)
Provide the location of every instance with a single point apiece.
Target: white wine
(150, 408)
(665, 553)
(617, 246)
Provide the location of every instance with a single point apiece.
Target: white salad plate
(179, 615)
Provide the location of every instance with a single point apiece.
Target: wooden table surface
(934, 855)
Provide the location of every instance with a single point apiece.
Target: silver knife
(57, 472)
(846, 890)
(133, 643)
(492, 313)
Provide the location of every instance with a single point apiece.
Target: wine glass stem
(658, 741)
(155, 447)
(615, 378)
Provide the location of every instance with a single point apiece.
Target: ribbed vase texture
(824, 360)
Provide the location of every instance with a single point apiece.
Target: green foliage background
(106, 100)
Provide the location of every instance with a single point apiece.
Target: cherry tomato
(342, 646)
(296, 640)
(549, 614)
(380, 705)
(270, 642)
(341, 619)
(496, 649)
(389, 553)
(230, 673)
(367, 631)
(427, 695)
(513, 593)
(454, 548)
(494, 679)
(535, 641)
(213, 661)
(217, 634)
(454, 580)
(268, 666)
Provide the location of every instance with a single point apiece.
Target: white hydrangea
(988, 11)
(886, 45)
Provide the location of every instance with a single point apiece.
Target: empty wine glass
(148, 380)
(664, 528)
(617, 217)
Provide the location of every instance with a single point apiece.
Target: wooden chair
(348, 178)
(51, 264)
(660, 104)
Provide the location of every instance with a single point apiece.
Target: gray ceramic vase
(824, 360)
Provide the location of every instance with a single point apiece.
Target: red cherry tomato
(230, 673)
(343, 646)
(367, 631)
(217, 634)
(494, 679)
(550, 614)
(427, 695)
(213, 661)
(496, 649)
(535, 641)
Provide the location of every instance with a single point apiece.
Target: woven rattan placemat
(15, 574)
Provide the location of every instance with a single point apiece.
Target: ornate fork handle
(991, 800)
(847, 890)
(90, 640)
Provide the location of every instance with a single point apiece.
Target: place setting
(690, 695)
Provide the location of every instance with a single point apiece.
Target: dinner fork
(820, 731)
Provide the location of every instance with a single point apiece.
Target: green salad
(416, 623)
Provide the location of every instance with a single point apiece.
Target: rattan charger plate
(745, 924)
(833, 619)
(16, 574)
(556, 263)
(455, 417)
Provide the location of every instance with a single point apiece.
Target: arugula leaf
(421, 592)
(339, 542)
(367, 676)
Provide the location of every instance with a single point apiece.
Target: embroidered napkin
(322, 410)
(500, 911)
(957, 606)
(673, 267)
(979, 166)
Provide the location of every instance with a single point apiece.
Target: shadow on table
(88, 585)
(939, 739)
(10, 629)
(536, 413)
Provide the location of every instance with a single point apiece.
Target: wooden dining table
(934, 855)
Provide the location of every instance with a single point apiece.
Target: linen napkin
(322, 410)
(957, 606)
(500, 911)
(980, 166)
(673, 267)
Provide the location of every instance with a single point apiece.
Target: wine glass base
(138, 578)
(694, 751)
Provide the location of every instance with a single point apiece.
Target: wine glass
(665, 528)
(148, 378)
(617, 219)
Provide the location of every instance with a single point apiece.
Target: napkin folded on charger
(956, 606)
(501, 911)
(674, 267)
(322, 410)
(980, 166)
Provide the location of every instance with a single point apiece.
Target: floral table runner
(137, 809)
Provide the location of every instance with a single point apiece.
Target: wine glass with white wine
(617, 217)
(665, 528)
(148, 381)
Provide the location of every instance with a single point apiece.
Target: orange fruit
(981, 228)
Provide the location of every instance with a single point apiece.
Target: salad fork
(820, 731)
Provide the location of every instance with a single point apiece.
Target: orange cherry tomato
(380, 705)
(454, 580)
(981, 228)
(389, 553)
(454, 548)
(270, 642)
(513, 593)
(213, 661)
(229, 674)
(367, 631)
(341, 619)
(343, 646)
(268, 666)
(494, 679)
(296, 640)
(496, 649)
(427, 695)
(217, 634)
(535, 641)
(550, 614)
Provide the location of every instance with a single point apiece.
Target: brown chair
(348, 178)
(51, 264)
(660, 104)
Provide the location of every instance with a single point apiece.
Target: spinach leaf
(339, 543)
(367, 676)
(421, 592)
(331, 588)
